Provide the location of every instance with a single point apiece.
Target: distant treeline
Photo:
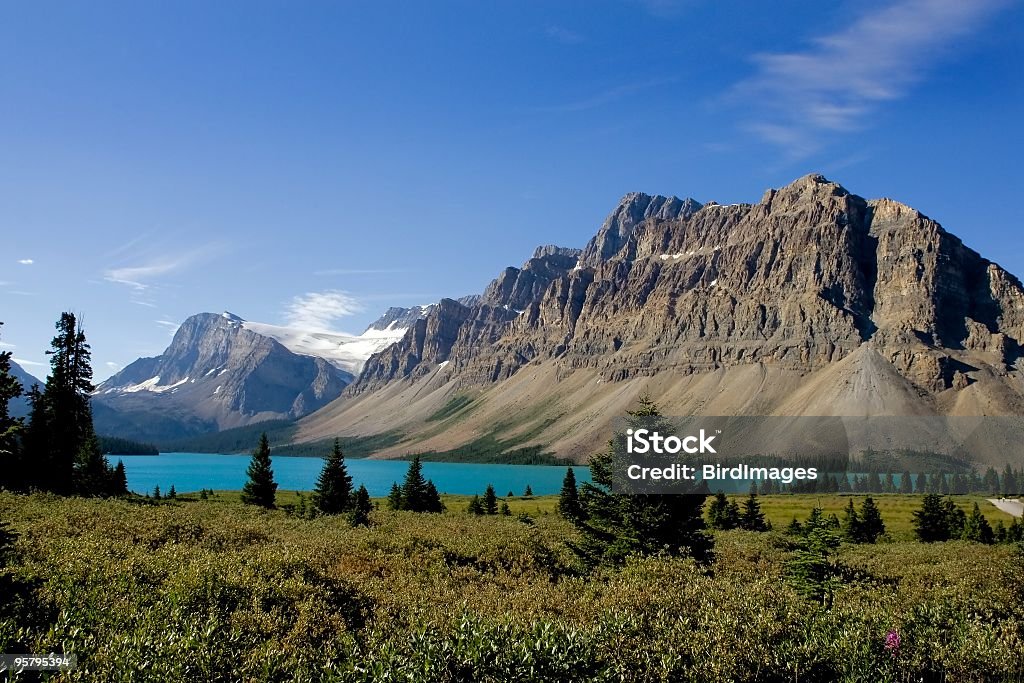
(236, 440)
(113, 445)
(1009, 482)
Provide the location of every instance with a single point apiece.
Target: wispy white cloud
(317, 310)
(563, 35)
(360, 271)
(606, 96)
(835, 84)
(5, 345)
(26, 261)
(24, 361)
(168, 325)
(112, 365)
(142, 275)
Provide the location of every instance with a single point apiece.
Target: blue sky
(317, 162)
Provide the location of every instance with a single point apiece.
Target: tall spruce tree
(569, 498)
(395, 497)
(434, 503)
(851, 524)
(977, 528)
(414, 488)
(871, 524)
(617, 525)
(12, 467)
(360, 508)
(723, 514)
(334, 487)
(930, 520)
(261, 488)
(490, 501)
(751, 518)
(68, 390)
(906, 484)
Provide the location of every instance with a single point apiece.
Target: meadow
(211, 590)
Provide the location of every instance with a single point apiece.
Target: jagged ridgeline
(812, 301)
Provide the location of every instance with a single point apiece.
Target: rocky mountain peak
(553, 250)
(632, 210)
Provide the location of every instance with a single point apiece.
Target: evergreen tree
(156, 492)
(795, 528)
(921, 485)
(395, 497)
(490, 501)
(976, 528)
(119, 486)
(932, 521)
(999, 531)
(871, 524)
(475, 507)
(68, 390)
(261, 488)
(569, 498)
(528, 493)
(202, 494)
(873, 484)
(721, 514)
(992, 481)
(752, 519)
(334, 486)
(506, 511)
(361, 508)
(844, 483)
(851, 525)
(943, 483)
(890, 483)
(1010, 484)
(812, 570)
(172, 494)
(906, 484)
(93, 475)
(617, 525)
(434, 503)
(12, 468)
(414, 488)
(956, 519)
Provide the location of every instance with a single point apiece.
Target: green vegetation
(454, 405)
(58, 449)
(333, 492)
(112, 445)
(490, 449)
(615, 527)
(416, 494)
(217, 591)
(261, 488)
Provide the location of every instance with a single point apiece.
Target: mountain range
(811, 301)
(221, 371)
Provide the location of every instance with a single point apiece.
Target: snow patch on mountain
(346, 351)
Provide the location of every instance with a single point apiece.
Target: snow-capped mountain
(221, 371)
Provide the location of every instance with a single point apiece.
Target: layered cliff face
(670, 295)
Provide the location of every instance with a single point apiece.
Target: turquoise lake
(194, 471)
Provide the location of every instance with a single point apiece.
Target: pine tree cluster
(57, 449)
(416, 494)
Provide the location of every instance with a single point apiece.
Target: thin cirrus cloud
(563, 35)
(835, 84)
(361, 271)
(605, 97)
(318, 310)
(141, 275)
(26, 261)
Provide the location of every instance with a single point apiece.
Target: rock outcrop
(670, 289)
